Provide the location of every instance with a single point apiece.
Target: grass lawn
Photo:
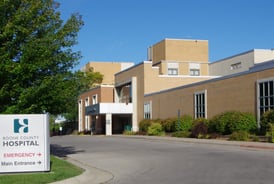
(60, 170)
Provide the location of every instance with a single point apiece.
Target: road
(149, 161)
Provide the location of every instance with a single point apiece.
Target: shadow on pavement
(61, 151)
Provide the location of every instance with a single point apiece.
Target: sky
(122, 30)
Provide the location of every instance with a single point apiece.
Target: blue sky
(122, 30)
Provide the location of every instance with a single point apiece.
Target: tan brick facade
(223, 94)
(175, 79)
(108, 69)
(102, 94)
(180, 50)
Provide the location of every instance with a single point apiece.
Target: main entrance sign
(24, 143)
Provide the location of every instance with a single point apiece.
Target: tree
(36, 57)
(89, 78)
(77, 83)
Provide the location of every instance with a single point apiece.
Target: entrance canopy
(112, 108)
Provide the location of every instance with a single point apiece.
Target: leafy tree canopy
(37, 58)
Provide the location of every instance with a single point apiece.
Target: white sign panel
(24, 143)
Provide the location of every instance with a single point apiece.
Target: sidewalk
(254, 145)
(91, 175)
(94, 175)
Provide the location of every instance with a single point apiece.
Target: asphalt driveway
(135, 160)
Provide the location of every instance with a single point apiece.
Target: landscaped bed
(232, 125)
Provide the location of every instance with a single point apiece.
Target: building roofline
(178, 40)
(110, 62)
(105, 62)
(97, 87)
(256, 68)
(242, 53)
(136, 65)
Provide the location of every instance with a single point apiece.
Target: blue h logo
(20, 127)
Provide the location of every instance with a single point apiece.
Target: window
(200, 104)
(86, 102)
(265, 91)
(172, 68)
(147, 110)
(94, 99)
(236, 66)
(87, 125)
(194, 69)
(194, 72)
(125, 94)
(172, 71)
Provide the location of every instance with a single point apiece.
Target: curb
(91, 175)
(252, 145)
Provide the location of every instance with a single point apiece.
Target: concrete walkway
(94, 175)
(91, 175)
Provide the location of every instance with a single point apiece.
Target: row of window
(192, 72)
(173, 69)
(265, 100)
(87, 123)
(94, 100)
(236, 66)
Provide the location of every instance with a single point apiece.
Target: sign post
(24, 143)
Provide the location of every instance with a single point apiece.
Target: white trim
(94, 99)
(148, 109)
(189, 76)
(205, 99)
(80, 116)
(258, 97)
(194, 66)
(266, 79)
(87, 122)
(135, 99)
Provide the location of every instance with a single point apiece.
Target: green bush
(184, 123)
(266, 120)
(270, 133)
(169, 124)
(144, 124)
(254, 138)
(242, 122)
(155, 129)
(181, 134)
(129, 132)
(214, 135)
(217, 124)
(200, 128)
(239, 136)
(232, 121)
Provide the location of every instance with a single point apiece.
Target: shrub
(181, 134)
(232, 121)
(129, 132)
(254, 138)
(239, 136)
(266, 120)
(169, 124)
(270, 132)
(242, 122)
(184, 123)
(144, 124)
(217, 124)
(200, 128)
(214, 135)
(155, 129)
